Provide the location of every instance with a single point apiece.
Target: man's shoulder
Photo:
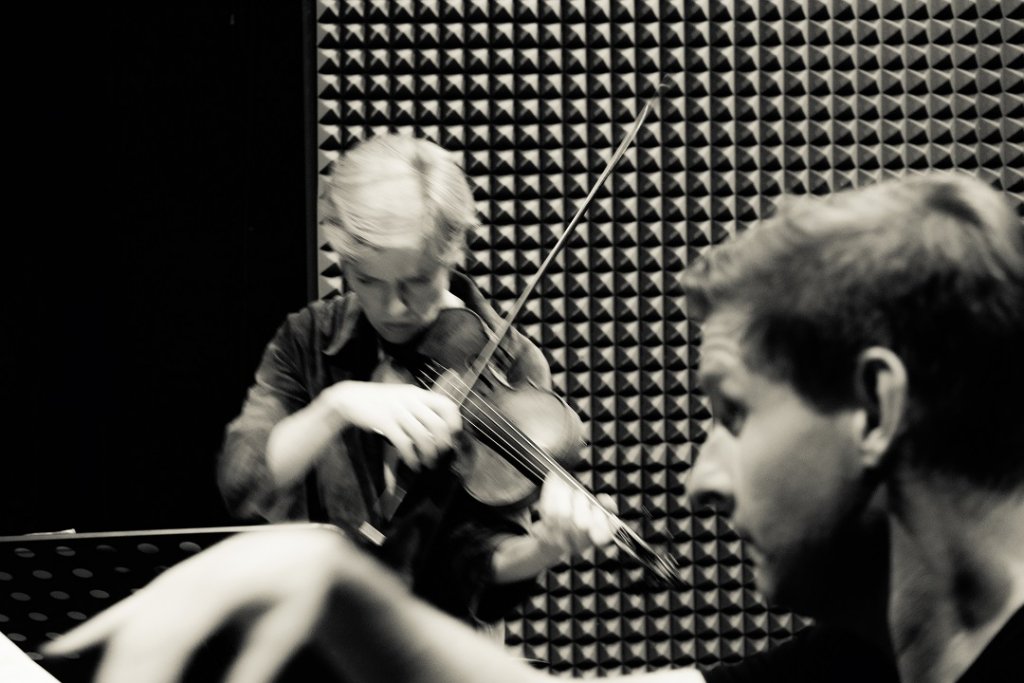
(818, 654)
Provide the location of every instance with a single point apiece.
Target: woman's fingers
(604, 524)
(572, 518)
(420, 424)
(398, 438)
(446, 409)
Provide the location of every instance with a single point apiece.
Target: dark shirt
(331, 341)
(828, 655)
(1002, 659)
(818, 654)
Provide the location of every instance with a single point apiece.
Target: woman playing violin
(336, 427)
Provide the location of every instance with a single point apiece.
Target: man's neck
(957, 574)
(861, 608)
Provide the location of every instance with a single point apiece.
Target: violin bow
(664, 567)
(487, 353)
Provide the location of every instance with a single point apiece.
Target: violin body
(516, 433)
(519, 435)
(494, 478)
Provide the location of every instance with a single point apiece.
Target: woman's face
(401, 289)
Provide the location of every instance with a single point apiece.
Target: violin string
(624, 536)
(547, 463)
(510, 436)
(506, 445)
(510, 442)
(483, 359)
(461, 397)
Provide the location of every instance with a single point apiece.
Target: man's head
(396, 209)
(849, 336)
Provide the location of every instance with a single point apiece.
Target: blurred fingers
(603, 530)
(424, 444)
(403, 444)
(93, 631)
(440, 429)
(573, 518)
(586, 522)
(421, 425)
(447, 410)
(156, 646)
(556, 502)
(608, 503)
(273, 640)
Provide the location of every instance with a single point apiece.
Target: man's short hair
(929, 266)
(444, 212)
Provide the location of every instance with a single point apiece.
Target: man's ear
(881, 384)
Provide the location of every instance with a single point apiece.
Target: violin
(526, 433)
(523, 430)
(533, 433)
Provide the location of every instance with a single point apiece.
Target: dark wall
(159, 234)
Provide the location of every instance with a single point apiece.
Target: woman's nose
(396, 303)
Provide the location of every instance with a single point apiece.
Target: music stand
(50, 583)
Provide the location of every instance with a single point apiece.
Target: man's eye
(729, 414)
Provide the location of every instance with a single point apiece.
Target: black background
(158, 231)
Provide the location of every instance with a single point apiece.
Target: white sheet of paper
(18, 667)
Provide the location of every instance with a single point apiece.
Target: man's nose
(709, 484)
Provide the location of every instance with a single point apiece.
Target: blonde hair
(355, 217)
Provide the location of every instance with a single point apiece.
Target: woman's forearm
(296, 441)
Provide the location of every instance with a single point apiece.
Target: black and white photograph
(506, 341)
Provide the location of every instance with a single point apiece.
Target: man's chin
(794, 591)
(764, 581)
(766, 573)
